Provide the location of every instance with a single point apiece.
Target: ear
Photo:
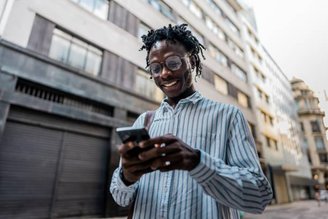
(192, 61)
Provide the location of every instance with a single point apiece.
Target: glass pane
(62, 34)
(87, 4)
(101, 9)
(77, 56)
(142, 30)
(196, 10)
(59, 48)
(166, 10)
(147, 87)
(242, 99)
(221, 85)
(93, 63)
(237, 71)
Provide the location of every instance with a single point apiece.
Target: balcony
(317, 112)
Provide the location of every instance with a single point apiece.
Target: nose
(165, 72)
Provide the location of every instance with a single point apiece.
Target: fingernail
(141, 144)
(140, 156)
(157, 145)
(167, 163)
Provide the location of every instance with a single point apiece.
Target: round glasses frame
(166, 64)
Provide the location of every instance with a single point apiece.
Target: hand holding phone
(137, 135)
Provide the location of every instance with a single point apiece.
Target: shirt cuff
(122, 186)
(205, 170)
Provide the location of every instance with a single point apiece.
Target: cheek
(188, 78)
(156, 81)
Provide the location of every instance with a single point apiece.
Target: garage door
(52, 167)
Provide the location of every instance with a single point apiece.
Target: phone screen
(132, 134)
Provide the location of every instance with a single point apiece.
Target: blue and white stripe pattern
(227, 178)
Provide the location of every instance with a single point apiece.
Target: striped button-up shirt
(227, 178)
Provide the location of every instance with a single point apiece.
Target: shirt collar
(194, 98)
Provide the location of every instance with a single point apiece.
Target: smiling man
(201, 160)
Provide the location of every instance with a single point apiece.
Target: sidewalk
(296, 210)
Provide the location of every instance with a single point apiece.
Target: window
(239, 52)
(195, 9)
(147, 87)
(75, 52)
(323, 158)
(218, 55)
(214, 28)
(252, 129)
(199, 37)
(240, 73)
(242, 99)
(319, 142)
(302, 126)
(97, 7)
(315, 126)
(220, 84)
(232, 26)
(163, 8)
(215, 7)
(271, 143)
(267, 118)
(142, 30)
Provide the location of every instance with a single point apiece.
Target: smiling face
(176, 84)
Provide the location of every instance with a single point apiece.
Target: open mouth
(170, 84)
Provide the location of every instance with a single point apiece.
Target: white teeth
(170, 84)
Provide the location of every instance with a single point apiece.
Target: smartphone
(133, 134)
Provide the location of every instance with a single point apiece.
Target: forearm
(122, 194)
(241, 188)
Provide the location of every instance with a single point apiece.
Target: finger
(123, 148)
(166, 139)
(169, 161)
(139, 168)
(158, 152)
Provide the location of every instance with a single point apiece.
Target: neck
(173, 101)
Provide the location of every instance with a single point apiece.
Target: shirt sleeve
(122, 194)
(239, 182)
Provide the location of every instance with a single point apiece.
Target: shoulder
(226, 109)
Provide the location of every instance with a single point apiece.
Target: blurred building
(313, 131)
(280, 152)
(71, 72)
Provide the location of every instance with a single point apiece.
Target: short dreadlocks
(175, 33)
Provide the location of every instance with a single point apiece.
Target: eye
(173, 63)
(155, 68)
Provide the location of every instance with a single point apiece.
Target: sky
(295, 32)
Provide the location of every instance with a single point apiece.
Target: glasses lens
(173, 63)
(155, 68)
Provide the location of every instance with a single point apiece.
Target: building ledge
(285, 168)
(311, 112)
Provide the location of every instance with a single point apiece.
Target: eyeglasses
(173, 63)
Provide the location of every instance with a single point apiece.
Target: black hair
(175, 33)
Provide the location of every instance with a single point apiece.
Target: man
(201, 160)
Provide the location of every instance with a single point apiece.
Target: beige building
(313, 131)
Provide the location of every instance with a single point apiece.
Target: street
(296, 210)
